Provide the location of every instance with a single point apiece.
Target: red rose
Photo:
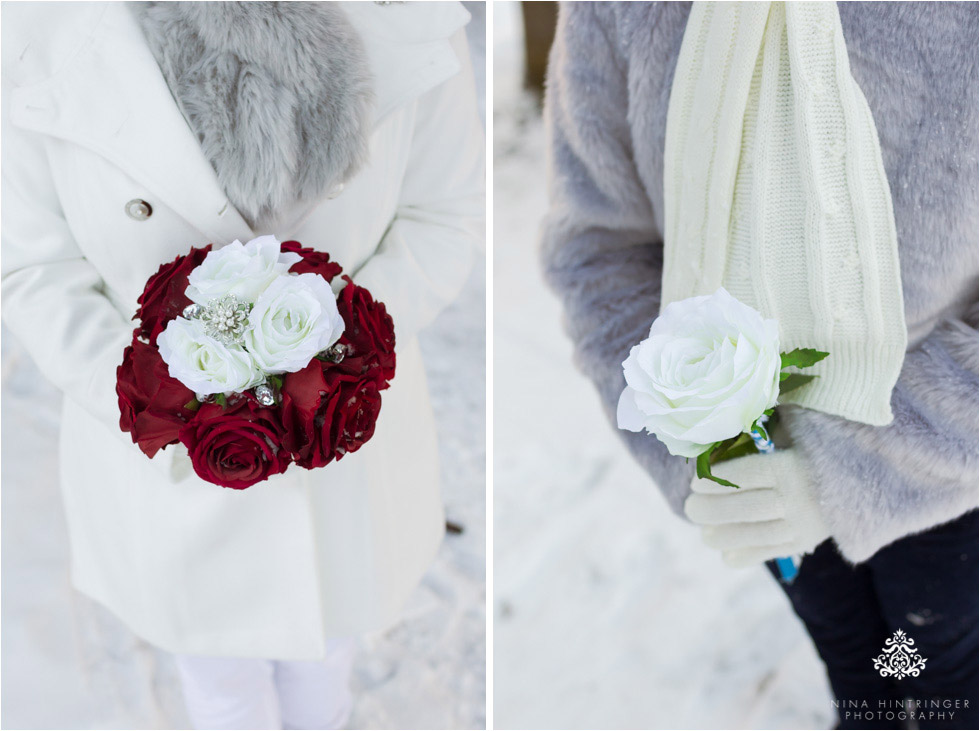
(369, 333)
(316, 262)
(323, 442)
(301, 395)
(354, 422)
(163, 297)
(306, 396)
(235, 446)
(329, 409)
(151, 403)
(327, 413)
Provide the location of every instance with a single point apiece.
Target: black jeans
(924, 585)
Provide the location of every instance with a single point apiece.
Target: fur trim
(279, 94)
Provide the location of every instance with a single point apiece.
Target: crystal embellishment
(226, 319)
(335, 353)
(192, 311)
(264, 395)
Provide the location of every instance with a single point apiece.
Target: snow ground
(67, 663)
(608, 610)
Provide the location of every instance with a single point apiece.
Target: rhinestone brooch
(225, 319)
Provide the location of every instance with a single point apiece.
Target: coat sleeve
(602, 251)
(878, 484)
(53, 298)
(427, 252)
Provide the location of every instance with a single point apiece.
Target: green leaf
(275, 380)
(704, 468)
(769, 412)
(221, 400)
(802, 358)
(730, 448)
(741, 449)
(192, 405)
(793, 381)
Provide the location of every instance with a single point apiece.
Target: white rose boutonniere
(707, 377)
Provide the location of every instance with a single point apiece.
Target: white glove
(772, 514)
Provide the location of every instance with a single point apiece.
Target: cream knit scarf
(774, 188)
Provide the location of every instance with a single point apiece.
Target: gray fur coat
(606, 107)
(278, 94)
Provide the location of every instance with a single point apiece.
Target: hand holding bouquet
(246, 356)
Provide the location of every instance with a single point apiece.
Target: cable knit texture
(608, 89)
(774, 188)
(280, 121)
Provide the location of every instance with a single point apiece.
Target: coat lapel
(407, 47)
(113, 100)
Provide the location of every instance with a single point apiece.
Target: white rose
(240, 269)
(709, 368)
(203, 364)
(295, 318)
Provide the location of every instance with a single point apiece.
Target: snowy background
(69, 664)
(608, 610)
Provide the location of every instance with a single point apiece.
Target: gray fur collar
(278, 94)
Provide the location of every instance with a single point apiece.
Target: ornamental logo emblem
(899, 658)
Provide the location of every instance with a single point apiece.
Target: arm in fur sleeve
(425, 256)
(602, 252)
(878, 484)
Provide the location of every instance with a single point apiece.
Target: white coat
(89, 125)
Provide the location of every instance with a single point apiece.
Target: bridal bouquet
(252, 360)
(707, 378)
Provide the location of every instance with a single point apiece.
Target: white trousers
(247, 693)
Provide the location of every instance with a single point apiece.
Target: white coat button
(139, 210)
(335, 191)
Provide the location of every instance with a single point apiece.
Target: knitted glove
(773, 513)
